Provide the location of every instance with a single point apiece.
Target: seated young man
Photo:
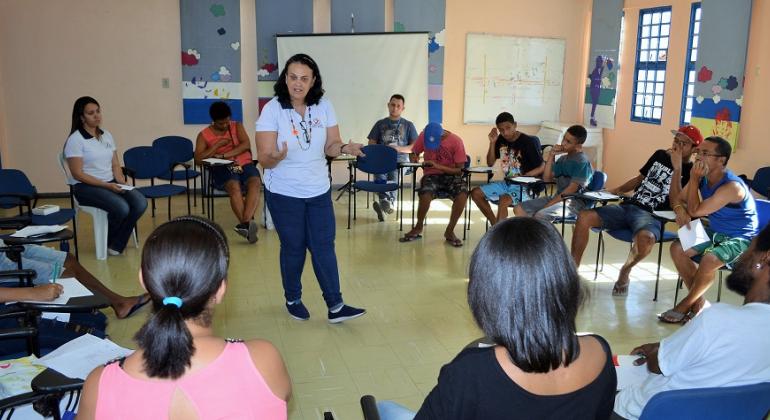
(571, 172)
(444, 161)
(725, 346)
(43, 259)
(519, 154)
(652, 189)
(398, 133)
(716, 192)
(226, 139)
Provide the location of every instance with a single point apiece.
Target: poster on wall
(720, 67)
(211, 57)
(601, 84)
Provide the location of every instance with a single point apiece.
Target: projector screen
(361, 71)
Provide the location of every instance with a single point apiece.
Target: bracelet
(342, 147)
(677, 206)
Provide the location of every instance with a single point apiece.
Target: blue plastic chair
(763, 213)
(598, 180)
(17, 191)
(146, 162)
(180, 151)
(379, 159)
(733, 402)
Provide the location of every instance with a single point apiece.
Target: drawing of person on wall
(596, 83)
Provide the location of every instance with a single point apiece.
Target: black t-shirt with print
(525, 149)
(652, 193)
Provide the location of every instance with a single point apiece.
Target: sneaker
(113, 252)
(387, 207)
(378, 210)
(298, 311)
(251, 234)
(345, 313)
(242, 229)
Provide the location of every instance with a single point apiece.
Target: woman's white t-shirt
(303, 173)
(96, 154)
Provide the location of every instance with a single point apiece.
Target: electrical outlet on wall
(165, 83)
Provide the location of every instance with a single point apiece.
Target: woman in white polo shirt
(296, 130)
(93, 161)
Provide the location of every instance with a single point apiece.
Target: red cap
(691, 132)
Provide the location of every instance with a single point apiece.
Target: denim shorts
(39, 258)
(628, 216)
(493, 191)
(223, 174)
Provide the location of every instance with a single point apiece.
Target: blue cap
(432, 136)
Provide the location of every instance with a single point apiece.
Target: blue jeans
(306, 224)
(123, 210)
(390, 177)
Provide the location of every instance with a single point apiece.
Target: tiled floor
(415, 297)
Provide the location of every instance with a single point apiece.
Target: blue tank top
(735, 219)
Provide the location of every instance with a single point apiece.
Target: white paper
(56, 316)
(37, 230)
(72, 288)
(77, 358)
(601, 195)
(525, 179)
(480, 169)
(126, 187)
(217, 161)
(410, 164)
(694, 235)
(628, 373)
(665, 214)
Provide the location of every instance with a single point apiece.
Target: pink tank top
(232, 134)
(230, 387)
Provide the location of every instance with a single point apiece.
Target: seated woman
(181, 369)
(93, 161)
(524, 293)
(226, 139)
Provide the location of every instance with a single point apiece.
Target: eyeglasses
(707, 154)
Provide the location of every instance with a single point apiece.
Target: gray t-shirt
(400, 132)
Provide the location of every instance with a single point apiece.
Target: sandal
(620, 290)
(673, 317)
(409, 237)
(455, 242)
(143, 300)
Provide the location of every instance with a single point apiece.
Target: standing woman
(296, 130)
(93, 161)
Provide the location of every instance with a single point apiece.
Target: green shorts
(725, 248)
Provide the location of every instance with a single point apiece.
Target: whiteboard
(360, 72)
(520, 75)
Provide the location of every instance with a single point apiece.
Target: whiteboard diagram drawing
(521, 75)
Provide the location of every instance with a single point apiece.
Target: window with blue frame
(651, 57)
(689, 74)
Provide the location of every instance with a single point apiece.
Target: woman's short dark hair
(316, 91)
(185, 258)
(524, 293)
(77, 112)
(219, 110)
(723, 147)
(505, 117)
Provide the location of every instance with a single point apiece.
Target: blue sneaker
(298, 311)
(345, 313)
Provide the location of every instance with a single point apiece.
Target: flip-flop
(139, 305)
(673, 317)
(455, 242)
(410, 238)
(620, 291)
